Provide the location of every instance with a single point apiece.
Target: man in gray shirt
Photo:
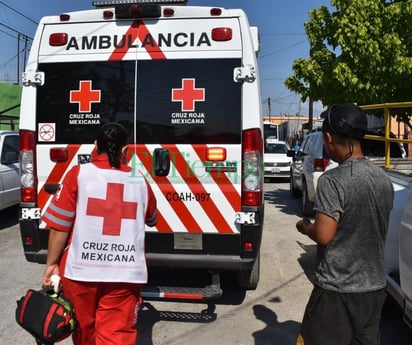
(353, 203)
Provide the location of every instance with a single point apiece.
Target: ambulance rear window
(177, 101)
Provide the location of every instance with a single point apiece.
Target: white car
(275, 159)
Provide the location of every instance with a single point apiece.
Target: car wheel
(293, 190)
(307, 205)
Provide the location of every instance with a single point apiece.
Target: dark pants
(333, 318)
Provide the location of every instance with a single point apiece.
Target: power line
(277, 99)
(285, 34)
(20, 38)
(7, 33)
(19, 12)
(12, 58)
(283, 49)
(8, 61)
(15, 31)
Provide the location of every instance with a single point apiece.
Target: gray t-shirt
(359, 196)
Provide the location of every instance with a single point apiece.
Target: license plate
(188, 241)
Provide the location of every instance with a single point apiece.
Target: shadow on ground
(9, 217)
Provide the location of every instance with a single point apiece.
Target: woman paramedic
(96, 244)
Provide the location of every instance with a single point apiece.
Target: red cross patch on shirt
(112, 209)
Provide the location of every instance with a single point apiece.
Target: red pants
(106, 312)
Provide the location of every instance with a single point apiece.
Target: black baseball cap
(346, 119)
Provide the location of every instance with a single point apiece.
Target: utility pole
(269, 110)
(310, 115)
(18, 59)
(26, 40)
(310, 124)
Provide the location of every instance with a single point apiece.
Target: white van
(184, 81)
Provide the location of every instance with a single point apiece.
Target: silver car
(9, 169)
(308, 165)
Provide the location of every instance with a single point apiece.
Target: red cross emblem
(113, 209)
(188, 95)
(85, 96)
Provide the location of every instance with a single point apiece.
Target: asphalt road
(269, 315)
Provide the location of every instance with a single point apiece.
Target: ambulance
(184, 82)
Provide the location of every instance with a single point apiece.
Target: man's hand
(322, 230)
(302, 226)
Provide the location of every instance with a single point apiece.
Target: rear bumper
(280, 174)
(202, 261)
(277, 171)
(220, 252)
(34, 239)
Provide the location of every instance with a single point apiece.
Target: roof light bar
(99, 4)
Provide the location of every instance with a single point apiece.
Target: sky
(280, 24)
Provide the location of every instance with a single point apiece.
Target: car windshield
(276, 148)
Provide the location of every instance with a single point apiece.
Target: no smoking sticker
(47, 132)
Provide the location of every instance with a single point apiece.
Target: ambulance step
(209, 292)
(182, 293)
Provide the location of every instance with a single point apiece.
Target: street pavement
(271, 314)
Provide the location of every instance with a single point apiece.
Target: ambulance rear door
(172, 83)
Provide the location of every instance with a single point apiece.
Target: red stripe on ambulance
(196, 187)
(56, 175)
(139, 30)
(222, 181)
(165, 186)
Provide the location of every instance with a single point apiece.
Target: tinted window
(270, 131)
(177, 101)
(10, 150)
(313, 145)
(276, 148)
(376, 148)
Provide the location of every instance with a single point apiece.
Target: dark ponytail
(110, 140)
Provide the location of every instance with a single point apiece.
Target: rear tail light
(320, 164)
(28, 182)
(252, 177)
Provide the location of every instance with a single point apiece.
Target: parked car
(308, 165)
(9, 169)
(310, 162)
(276, 161)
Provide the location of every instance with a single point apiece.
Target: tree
(360, 53)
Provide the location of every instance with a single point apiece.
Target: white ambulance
(184, 81)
